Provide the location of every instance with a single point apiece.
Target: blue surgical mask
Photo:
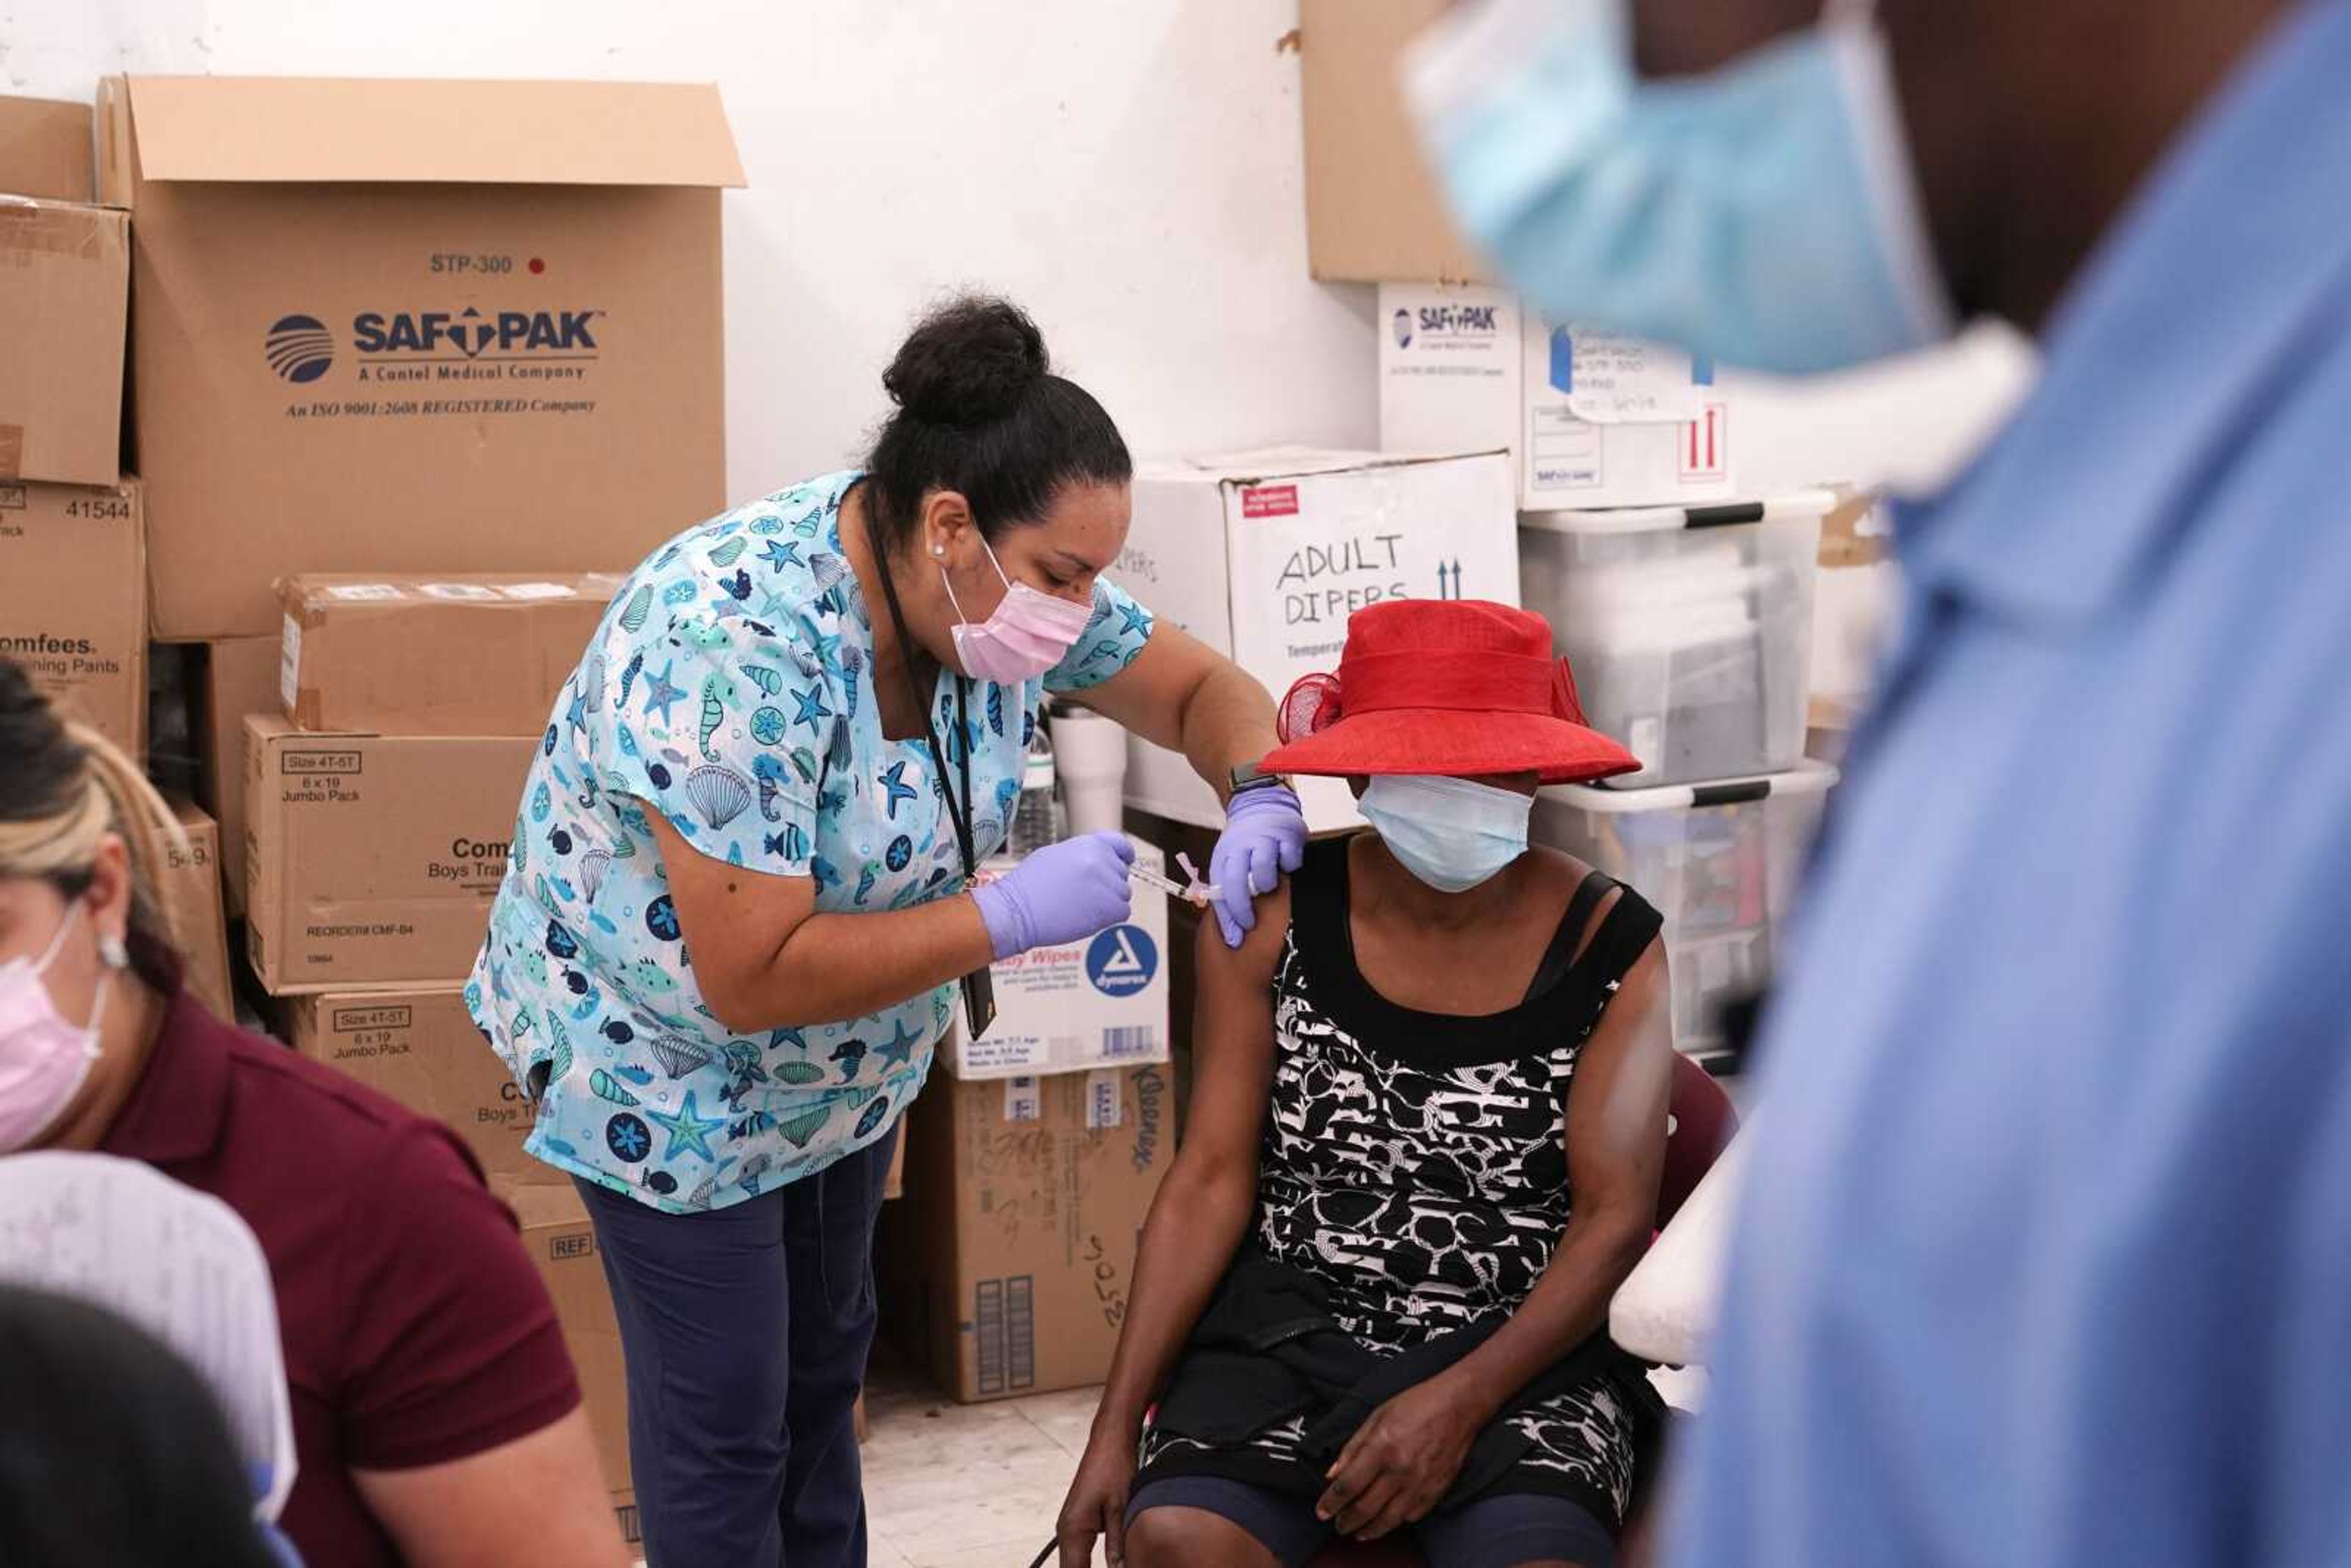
(1449, 832)
(1764, 215)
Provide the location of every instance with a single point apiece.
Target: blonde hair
(79, 787)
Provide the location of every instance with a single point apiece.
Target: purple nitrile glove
(1058, 894)
(1264, 840)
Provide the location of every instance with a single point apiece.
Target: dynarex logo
(469, 333)
(299, 348)
(1122, 960)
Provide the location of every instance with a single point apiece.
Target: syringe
(1197, 894)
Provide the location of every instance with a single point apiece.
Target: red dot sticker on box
(1270, 501)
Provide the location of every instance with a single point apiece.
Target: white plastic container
(1719, 861)
(1090, 753)
(1689, 628)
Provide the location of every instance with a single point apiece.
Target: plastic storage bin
(1719, 862)
(1690, 627)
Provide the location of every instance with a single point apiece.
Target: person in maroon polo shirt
(436, 1417)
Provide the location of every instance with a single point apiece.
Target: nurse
(739, 899)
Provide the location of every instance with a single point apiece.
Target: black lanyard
(978, 988)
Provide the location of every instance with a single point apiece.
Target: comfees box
(1009, 1264)
(1264, 555)
(1591, 418)
(464, 654)
(421, 1047)
(372, 858)
(1102, 1002)
(403, 326)
(73, 600)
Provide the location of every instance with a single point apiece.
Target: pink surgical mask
(43, 1058)
(1026, 635)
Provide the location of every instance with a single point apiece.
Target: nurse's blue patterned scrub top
(730, 686)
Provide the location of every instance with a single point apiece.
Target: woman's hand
(1058, 894)
(1264, 840)
(1401, 1462)
(1097, 1503)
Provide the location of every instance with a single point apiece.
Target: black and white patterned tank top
(1415, 1162)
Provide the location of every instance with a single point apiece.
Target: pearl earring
(939, 551)
(115, 955)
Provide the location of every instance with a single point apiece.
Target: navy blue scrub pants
(746, 1330)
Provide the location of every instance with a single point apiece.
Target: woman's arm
(1179, 694)
(462, 1514)
(1197, 1221)
(1400, 1462)
(765, 959)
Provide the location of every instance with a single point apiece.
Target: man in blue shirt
(2045, 1254)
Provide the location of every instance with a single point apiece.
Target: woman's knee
(1175, 1537)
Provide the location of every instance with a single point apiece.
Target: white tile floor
(967, 1485)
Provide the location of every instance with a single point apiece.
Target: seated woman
(1427, 1119)
(436, 1416)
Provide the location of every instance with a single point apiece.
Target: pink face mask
(43, 1058)
(1027, 635)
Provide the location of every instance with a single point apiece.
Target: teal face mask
(1763, 215)
(1450, 833)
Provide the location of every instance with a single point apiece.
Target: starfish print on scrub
(811, 708)
(660, 693)
(689, 1131)
(899, 1050)
(894, 782)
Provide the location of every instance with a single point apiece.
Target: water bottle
(1036, 818)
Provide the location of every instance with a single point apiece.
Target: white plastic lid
(1807, 777)
(1797, 506)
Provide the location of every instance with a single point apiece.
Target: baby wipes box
(1264, 555)
(1591, 418)
(1099, 1002)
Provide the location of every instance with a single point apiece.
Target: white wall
(1129, 170)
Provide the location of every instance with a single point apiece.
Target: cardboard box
(73, 601)
(192, 883)
(421, 1047)
(456, 653)
(406, 325)
(1264, 555)
(65, 273)
(370, 860)
(562, 1241)
(240, 680)
(1102, 1002)
(1373, 211)
(1009, 1264)
(48, 149)
(1591, 419)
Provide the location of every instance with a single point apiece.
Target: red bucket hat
(1454, 686)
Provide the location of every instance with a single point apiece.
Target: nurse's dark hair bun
(981, 414)
(969, 361)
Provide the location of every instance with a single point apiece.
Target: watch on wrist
(1250, 776)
